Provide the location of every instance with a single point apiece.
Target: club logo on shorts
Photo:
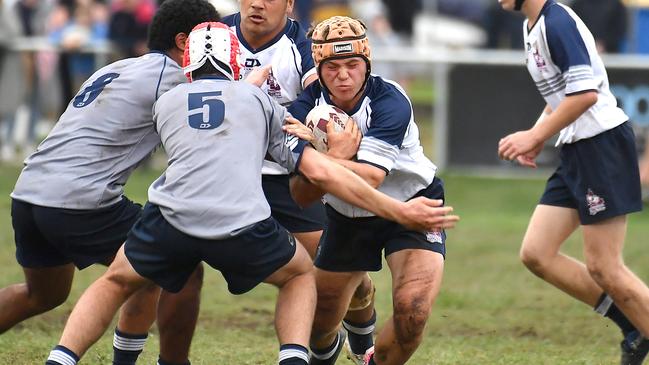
(291, 239)
(595, 203)
(434, 236)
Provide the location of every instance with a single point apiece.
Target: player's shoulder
(558, 16)
(294, 31)
(386, 91)
(231, 20)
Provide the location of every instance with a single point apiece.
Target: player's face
(264, 18)
(344, 78)
(507, 4)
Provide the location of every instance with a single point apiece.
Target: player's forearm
(372, 175)
(303, 192)
(571, 108)
(346, 185)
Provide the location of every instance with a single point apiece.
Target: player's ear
(181, 40)
(289, 6)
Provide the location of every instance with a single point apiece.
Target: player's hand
(516, 144)
(294, 127)
(529, 159)
(258, 75)
(423, 214)
(344, 144)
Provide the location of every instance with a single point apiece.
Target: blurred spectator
(74, 25)
(606, 19)
(504, 28)
(302, 12)
(401, 14)
(325, 9)
(128, 27)
(469, 10)
(24, 18)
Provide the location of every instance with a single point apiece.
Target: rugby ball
(317, 120)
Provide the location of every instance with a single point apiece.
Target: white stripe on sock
(330, 353)
(128, 344)
(358, 330)
(605, 305)
(285, 354)
(61, 358)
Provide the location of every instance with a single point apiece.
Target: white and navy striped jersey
(104, 133)
(289, 55)
(216, 134)
(390, 139)
(562, 59)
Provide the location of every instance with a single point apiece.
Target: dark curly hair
(178, 16)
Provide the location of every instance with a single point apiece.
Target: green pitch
(490, 310)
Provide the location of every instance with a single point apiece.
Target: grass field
(490, 310)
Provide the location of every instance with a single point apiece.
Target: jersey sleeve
(301, 106)
(568, 51)
(303, 45)
(285, 149)
(391, 115)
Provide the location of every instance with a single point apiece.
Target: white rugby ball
(317, 120)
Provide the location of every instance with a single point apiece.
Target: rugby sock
(127, 347)
(62, 355)
(162, 362)
(607, 308)
(327, 353)
(293, 354)
(360, 334)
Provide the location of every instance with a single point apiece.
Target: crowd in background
(37, 84)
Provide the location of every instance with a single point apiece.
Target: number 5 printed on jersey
(215, 110)
(92, 91)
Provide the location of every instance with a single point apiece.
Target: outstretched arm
(419, 214)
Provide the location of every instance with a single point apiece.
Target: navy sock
(293, 354)
(606, 307)
(326, 355)
(360, 334)
(62, 355)
(127, 347)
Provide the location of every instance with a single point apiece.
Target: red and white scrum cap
(212, 41)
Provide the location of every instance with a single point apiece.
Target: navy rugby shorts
(286, 211)
(597, 176)
(355, 244)
(165, 255)
(47, 237)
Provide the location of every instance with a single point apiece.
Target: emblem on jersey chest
(595, 203)
(533, 49)
(274, 90)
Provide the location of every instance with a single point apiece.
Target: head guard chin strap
(340, 37)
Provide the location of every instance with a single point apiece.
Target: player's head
(175, 19)
(511, 4)
(212, 47)
(264, 19)
(340, 43)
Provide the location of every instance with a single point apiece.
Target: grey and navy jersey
(289, 54)
(216, 134)
(105, 132)
(390, 139)
(562, 59)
